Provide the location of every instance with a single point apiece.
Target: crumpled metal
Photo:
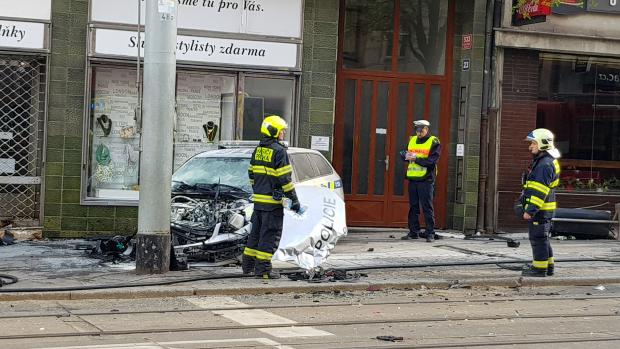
(309, 238)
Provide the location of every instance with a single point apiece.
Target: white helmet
(421, 124)
(544, 138)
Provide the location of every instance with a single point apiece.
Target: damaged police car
(212, 207)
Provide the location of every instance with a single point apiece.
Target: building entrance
(394, 67)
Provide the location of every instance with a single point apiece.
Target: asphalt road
(550, 317)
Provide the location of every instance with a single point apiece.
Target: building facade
(562, 74)
(354, 72)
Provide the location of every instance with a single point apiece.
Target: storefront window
(206, 105)
(113, 140)
(579, 100)
(266, 96)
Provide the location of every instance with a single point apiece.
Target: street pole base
(152, 254)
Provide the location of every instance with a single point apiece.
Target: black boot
(264, 271)
(410, 237)
(530, 271)
(430, 237)
(551, 269)
(248, 264)
(269, 275)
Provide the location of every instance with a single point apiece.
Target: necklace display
(106, 124)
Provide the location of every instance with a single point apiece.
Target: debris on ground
(114, 249)
(457, 285)
(7, 279)
(389, 338)
(600, 288)
(371, 250)
(331, 275)
(6, 236)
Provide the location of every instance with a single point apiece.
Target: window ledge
(611, 193)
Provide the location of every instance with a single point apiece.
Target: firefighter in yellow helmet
(538, 200)
(270, 175)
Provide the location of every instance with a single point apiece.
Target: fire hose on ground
(499, 263)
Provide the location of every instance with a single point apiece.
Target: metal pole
(153, 242)
(138, 84)
(617, 215)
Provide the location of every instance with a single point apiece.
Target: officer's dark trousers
(264, 238)
(539, 239)
(421, 194)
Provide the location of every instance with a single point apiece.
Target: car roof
(246, 152)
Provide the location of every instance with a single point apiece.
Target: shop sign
(532, 12)
(467, 41)
(571, 7)
(612, 6)
(260, 17)
(204, 49)
(27, 9)
(23, 35)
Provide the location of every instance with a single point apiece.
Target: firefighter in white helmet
(538, 199)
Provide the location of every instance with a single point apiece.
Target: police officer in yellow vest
(422, 154)
(538, 200)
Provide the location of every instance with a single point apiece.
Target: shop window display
(205, 113)
(206, 106)
(579, 100)
(113, 139)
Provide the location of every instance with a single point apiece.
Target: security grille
(22, 118)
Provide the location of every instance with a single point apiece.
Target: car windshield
(211, 170)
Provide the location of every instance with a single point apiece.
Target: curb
(299, 287)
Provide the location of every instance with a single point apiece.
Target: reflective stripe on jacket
(270, 173)
(539, 187)
(415, 170)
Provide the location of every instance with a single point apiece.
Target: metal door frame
(41, 137)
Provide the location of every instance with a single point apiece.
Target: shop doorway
(394, 67)
(22, 117)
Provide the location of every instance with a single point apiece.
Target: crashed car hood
(308, 239)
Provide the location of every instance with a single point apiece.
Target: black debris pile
(390, 338)
(7, 279)
(114, 249)
(330, 275)
(6, 236)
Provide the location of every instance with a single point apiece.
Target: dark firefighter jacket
(270, 174)
(539, 186)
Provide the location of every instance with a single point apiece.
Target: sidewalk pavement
(57, 264)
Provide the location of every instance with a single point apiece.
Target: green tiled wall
(318, 82)
(64, 216)
(470, 19)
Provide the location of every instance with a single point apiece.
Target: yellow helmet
(272, 126)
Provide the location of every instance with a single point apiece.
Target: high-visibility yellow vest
(422, 151)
